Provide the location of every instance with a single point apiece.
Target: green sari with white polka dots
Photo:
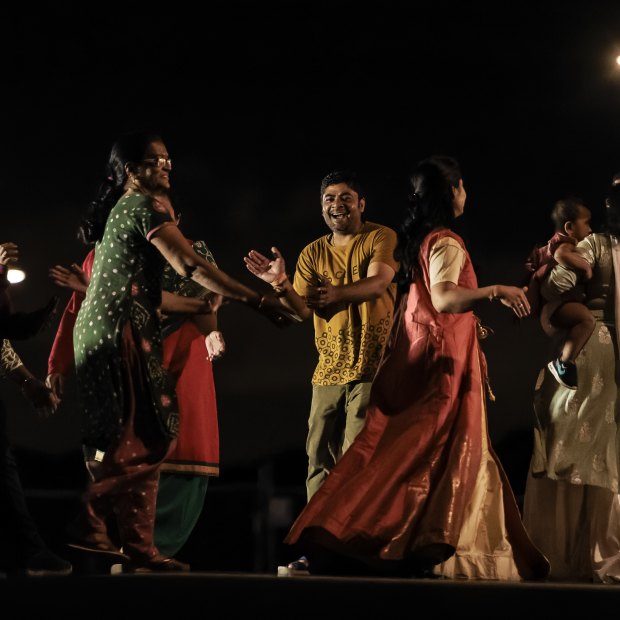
(125, 287)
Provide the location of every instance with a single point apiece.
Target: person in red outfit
(421, 491)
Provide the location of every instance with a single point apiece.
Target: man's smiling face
(342, 209)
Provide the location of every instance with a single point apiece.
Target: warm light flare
(14, 276)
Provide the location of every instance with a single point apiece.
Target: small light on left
(15, 275)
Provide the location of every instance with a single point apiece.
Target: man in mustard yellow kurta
(344, 281)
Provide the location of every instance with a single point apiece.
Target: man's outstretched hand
(264, 268)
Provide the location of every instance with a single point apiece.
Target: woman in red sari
(421, 491)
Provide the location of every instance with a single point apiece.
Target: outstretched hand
(41, 396)
(264, 268)
(9, 252)
(514, 297)
(74, 278)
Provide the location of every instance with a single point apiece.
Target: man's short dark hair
(342, 176)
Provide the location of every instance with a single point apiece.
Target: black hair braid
(430, 207)
(110, 190)
(415, 226)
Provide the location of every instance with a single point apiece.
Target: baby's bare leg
(579, 323)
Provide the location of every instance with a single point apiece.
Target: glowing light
(15, 275)
(618, 60)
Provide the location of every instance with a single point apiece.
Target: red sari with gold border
(401, 493)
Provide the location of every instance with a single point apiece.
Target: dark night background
(257, 101)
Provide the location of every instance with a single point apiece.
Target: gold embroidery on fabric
(156, 371)
(598, 463)
(9, 360)
(603, 335)
(139, 315)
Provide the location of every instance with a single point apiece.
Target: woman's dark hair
(566, 210)
(612, 211)
(128, 149)
(430, 207)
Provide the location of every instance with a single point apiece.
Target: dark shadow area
(246, 515)
(242, 595)
(514, 452)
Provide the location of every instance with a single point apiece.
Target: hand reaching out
(514, 297)
(74, 278)
(215, 344)
(9, 252)
(41, 396)
(263, 268)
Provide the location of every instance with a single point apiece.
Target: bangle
(279, 280)
(493, 296)
(278, 285)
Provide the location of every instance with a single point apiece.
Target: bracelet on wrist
(279, 280)
(278, 285)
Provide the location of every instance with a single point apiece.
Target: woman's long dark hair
(128, 149)
(430, 207)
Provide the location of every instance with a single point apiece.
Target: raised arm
(172, 303)
(446, 260)
(273, 271)
(184, 260)
(449, 297)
